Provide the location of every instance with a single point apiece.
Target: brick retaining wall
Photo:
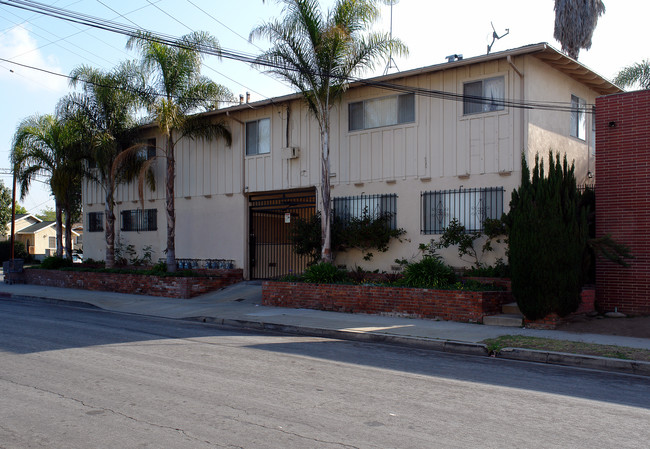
(456, 305)
(166, 286)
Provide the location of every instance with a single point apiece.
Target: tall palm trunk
(326, 215)
(59, 228)
(68, 235)
(109, 232)
(171, 213)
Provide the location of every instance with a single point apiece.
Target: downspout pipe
(522, 100)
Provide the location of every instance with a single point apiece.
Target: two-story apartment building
(427, 145)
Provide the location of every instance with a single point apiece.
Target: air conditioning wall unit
(290, 153)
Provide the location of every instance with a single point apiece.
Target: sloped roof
(543, 51)
(33, 229)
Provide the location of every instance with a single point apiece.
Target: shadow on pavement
(30, 328)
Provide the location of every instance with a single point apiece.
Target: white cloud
(19, 46)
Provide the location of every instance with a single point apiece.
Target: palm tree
(178, 90)
(575, 22)
(635, 74)
(318, 55)
(105, 110)
(47, 144)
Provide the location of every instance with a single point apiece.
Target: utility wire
(115, 27)
(207, 66)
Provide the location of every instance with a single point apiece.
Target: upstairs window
(378, 112)
(578, 119)
(484, 96)
(363, 206)
(148, 151)
(95, 221)
(469, 206)
(139, 220)
(258, 137)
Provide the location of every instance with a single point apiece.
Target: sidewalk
(239, 305)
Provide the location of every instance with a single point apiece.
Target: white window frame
(267, 144)
(486, 103)
(381, 112)
(578, 123)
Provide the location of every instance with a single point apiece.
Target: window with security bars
(359, 207)
(139, 220)
(95, 221)
(471, 207)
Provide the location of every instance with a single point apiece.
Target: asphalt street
(83, 378)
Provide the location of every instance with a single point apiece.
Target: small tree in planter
(547, 238)
(456, 235)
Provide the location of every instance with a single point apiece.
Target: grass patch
(571, 347)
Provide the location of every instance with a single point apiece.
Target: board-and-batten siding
(440, 143)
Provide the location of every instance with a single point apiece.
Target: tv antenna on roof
(495, 37)
(391, 62)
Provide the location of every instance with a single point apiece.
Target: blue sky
(431, 30)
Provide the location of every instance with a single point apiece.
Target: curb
(42, 299)
(634, 367)
(576, 360)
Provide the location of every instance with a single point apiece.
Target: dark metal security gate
(271, 252)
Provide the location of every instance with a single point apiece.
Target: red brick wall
(167, 286)
(623, 199)
(456, 305)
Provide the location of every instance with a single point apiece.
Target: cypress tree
(547, 239)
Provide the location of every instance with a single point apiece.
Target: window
(386, 111)
(51, 242)
(139, 220)
(95, 221)
(346, 208)
(469, 206)
(578, 122)
(484, 96)
(258, 137)
(148, 150)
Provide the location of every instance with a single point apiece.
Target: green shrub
(498, 270)
(160, 267)
(547, 236)
(55, 263)
(430, 272)
(324, 273)
(365, 233)
(19, 250)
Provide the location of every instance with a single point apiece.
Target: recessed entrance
(271, 252)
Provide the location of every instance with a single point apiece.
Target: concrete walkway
(240, 305)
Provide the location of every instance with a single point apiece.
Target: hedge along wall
(456, 305)
(166, 286)
(622, 200)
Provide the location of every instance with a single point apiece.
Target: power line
(115, 27)
(157, 94)
(207, 66)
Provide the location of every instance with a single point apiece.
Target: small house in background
(427, 145)
(40, 239)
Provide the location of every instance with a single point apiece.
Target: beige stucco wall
(550, 130)
(441, 150)
(40, 241)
